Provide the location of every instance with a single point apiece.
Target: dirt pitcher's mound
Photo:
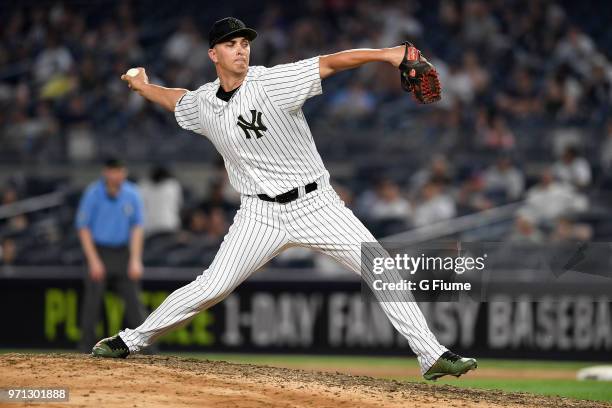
(163, 381)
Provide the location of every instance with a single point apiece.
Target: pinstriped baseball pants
(261, 230)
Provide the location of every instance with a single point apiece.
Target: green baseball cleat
(450, 363)
(111, 347)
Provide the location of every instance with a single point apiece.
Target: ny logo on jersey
(255, 125)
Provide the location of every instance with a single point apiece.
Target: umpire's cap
(113, 162)
(228, 28)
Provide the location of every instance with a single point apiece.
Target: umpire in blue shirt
(110, 227)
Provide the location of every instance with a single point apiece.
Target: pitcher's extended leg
(332, 228)
(254, 238)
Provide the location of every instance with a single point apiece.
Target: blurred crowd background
(525, 118)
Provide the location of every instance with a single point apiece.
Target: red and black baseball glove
(419, 76)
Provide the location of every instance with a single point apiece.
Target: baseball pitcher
(253, 116)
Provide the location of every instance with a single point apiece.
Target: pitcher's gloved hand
(419, 76)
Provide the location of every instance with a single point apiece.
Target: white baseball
(133, 72)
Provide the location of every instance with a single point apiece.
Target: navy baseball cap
(113, 162)
(228, 28)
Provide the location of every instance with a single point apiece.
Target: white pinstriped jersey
(261, 132)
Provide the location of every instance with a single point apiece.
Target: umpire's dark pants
(115, 262)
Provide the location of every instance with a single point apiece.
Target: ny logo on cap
(234, 25)
(255, 125)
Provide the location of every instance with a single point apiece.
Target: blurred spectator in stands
(9, 195)
(567, 230)
(445, 129)
(555, 99)
(597, 97)
(467, 81)
(526, 230)
(434, 204)
(54, 59)
(550, 199)
(13, 135)
(561, 94)
(8, 251)
(472, 195)
(42, 131)
(272, 34)
(478, 75)
(198, 222)
(492, 131)
(196, 226)
(308, 35)
(365, 200)
(15, 223)
(576, 49)
(162, 198)
(449, 18)
(80, 136)
(186, 48)
(221, 193)
(458, 85)
(399, 23)
(520, 98)
(504, 178)
(572, 168)
(28, 136)
(180, 44)
(438, 169)
(606, 149)
(354, 102)
(206, 223)
(388, 212)
(217, 223)
(480, 28)
(388, 203)
(110, 226)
